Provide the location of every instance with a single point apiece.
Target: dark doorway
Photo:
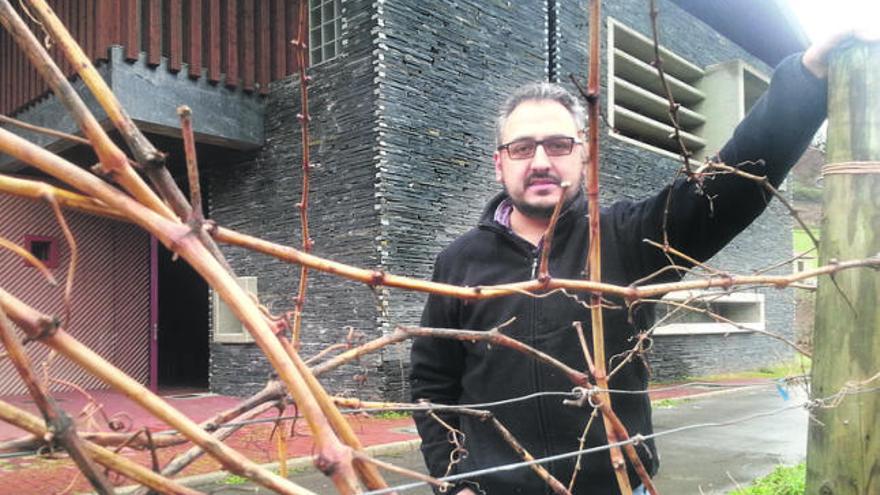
(183, 326)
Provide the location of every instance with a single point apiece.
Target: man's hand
(815, 59)
(466, 491)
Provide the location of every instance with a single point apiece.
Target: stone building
(402, 99)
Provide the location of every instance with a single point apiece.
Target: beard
(542, 212)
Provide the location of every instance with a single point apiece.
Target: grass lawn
(784, 480)
(796, 366)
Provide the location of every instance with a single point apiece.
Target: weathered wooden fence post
(843, 455)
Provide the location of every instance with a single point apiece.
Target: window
(713, 99)
(744, 309)
(325, 27)
(227, 328)
(43, 248)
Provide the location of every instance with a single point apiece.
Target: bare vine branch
(301, 51)
(63, 429)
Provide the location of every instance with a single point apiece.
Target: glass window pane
(329, 32)
(315, 40)
(329, 51)
(315, 17)
(316, 56)
(328, 11)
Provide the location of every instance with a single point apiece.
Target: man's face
(533, 184)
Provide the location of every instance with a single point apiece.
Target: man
(540, 148)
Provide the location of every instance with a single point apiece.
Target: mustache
(542, 176)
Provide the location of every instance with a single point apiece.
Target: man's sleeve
(436, 368)
(701, 221)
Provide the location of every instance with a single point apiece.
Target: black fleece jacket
(768, 142)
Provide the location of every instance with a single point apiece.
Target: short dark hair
(538, 92)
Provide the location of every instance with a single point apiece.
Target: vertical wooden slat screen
(4, 59)
(6, 67)
(89, 31)
(25, 77)
(30, 79)
(264, 50)
(79, 19)
(174, 25)
(65, 18)
(115, 22)
(248, 41)
(16, 81)
(230, 50)
(292, 16)
(24, 83)
(214, 64)
(279, 39)
(194, 39)
(247, 47)
(13, 68)
(154, 31)
(63, 10)
(131, 32)
(104, 28)
(5, 49)
(10, 69)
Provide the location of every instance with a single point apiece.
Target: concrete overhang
(222, 116)
(768, 29)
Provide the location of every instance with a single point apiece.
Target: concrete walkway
(704, 461)
(707, 459)
(715, 460)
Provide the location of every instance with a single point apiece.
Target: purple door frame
(154, 314)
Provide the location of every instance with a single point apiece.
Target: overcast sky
(820, 18)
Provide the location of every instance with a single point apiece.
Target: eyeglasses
(553, 146)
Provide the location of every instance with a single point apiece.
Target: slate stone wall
(631, 171)
(259, 197)
(403, 134)
(446, 66)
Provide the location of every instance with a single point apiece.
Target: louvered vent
(227, 328)
(639, 107)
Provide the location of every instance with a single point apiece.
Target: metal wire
(489, 405)
(635, 439)
(416, 407)
(441, 407)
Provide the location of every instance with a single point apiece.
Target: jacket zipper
(533, 321)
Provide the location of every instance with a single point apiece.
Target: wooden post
(843, 455)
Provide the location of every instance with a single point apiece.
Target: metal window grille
(325, 28)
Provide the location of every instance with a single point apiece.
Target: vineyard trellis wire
(179, 223)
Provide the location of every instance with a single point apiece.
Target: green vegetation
(803, 244)
(234, 479)
(668, 403)
(803, 192)
(798, 365)
(784, 480)
(392, 414)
